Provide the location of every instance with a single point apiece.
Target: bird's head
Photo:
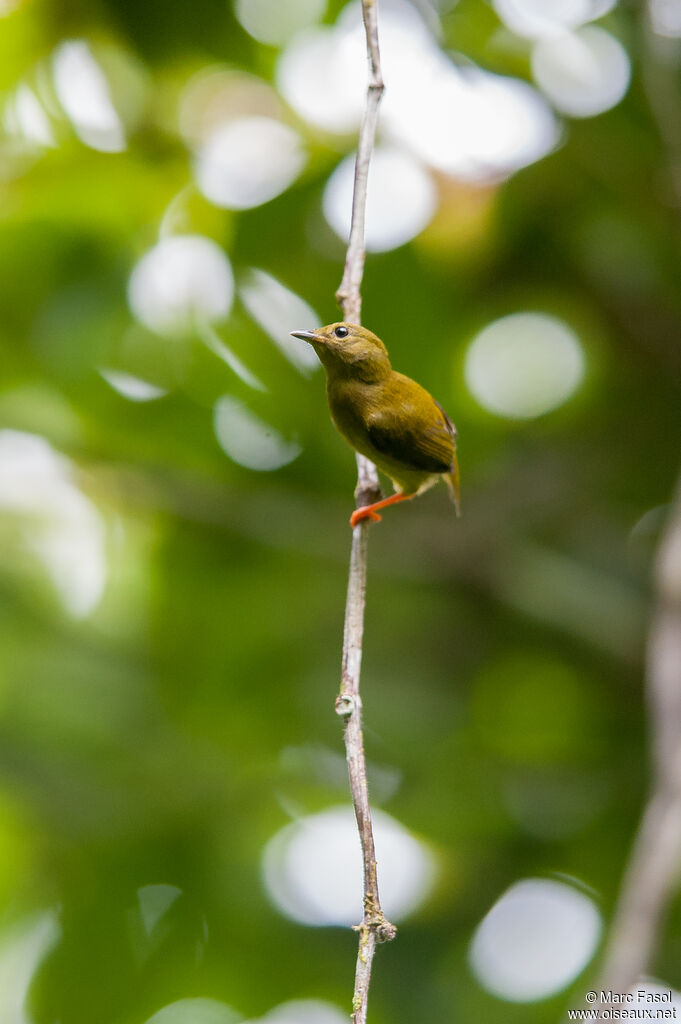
(348, 350)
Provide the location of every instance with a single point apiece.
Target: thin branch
(374, 927)
(652, 875)
(348, 294)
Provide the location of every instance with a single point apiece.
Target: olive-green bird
(384, 415)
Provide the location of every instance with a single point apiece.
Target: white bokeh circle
(401, 199)
(84, 93)
(133, 388)
(195, 1011)
(247, 439)
(179, 279)
(461, 120)
(536, 19)
(303, 1011)
(278, 311)
(584, 72)
(524, 365)
(665, 18)
(248, 161)
(321, 76)
(274, 21)
(313, 868)
(58, 524)
(535, 940)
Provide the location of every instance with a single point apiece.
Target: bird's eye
(341, 332)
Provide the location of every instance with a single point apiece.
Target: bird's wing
(415, 431)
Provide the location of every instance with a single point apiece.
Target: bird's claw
(364, 513)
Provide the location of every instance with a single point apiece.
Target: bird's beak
(308, 336)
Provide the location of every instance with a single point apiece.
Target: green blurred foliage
(165, 737)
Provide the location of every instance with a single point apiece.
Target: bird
(385, 416)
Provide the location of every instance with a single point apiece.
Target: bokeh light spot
(26, 116)
(83, 92)
(480, 126)
(535, 940)
(154, 902)
(23, 947)
(57, 522)
(303, 1011)
(196, 1011)
(180, 279)
(536, 19)
(214, 96)
(321, 75)
(279, 311)
(273, 21)
(248, 161)
(665, 17)
(524, 365)
(131, 387)
(584, 72)
(401, 199)
(248, 440)
(464, 121)
(313, 868)
(218, 347)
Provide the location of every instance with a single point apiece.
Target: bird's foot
(365, 512)
(371, 511)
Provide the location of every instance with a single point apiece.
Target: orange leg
(371, 511)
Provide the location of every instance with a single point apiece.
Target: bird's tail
(452, 481)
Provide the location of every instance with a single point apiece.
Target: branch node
(346, 704)
(383, 929)
(386, 931)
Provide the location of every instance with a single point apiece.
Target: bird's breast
(350, 405)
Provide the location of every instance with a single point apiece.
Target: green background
(151, 742)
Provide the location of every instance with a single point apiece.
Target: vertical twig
(374, 927)
(348, 294)
(652, 874)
